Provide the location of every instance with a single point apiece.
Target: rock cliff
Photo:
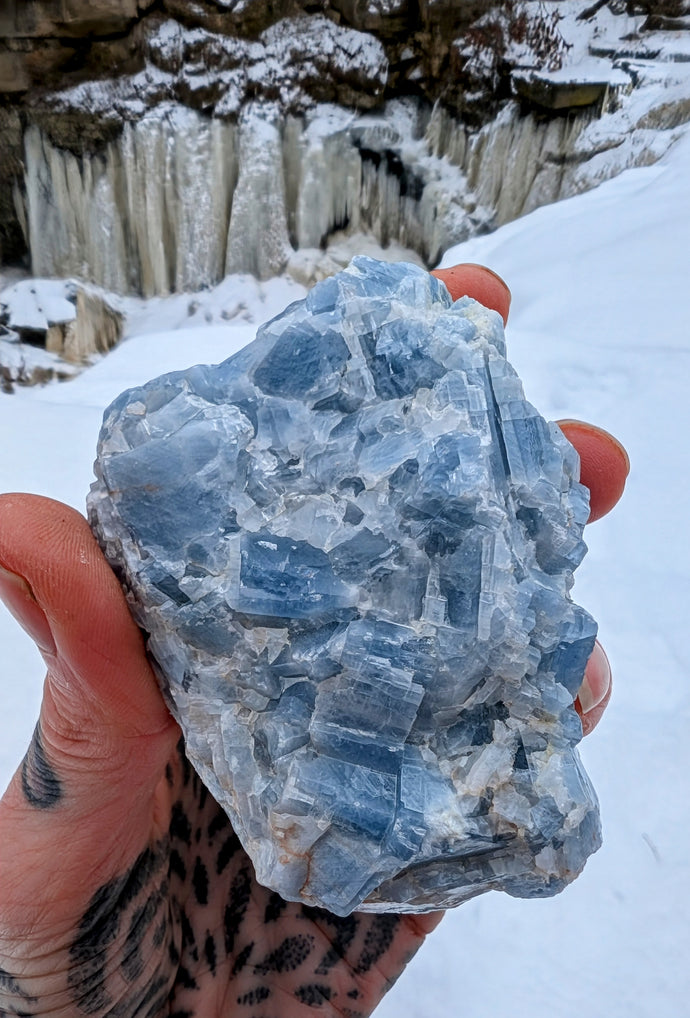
(151, 145)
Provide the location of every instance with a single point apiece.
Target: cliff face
(214, 56)
(155, 144)
(56, 43)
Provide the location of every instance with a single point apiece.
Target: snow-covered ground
(600, 330)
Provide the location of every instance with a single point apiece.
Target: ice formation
(178, 200)
(352, 545)
(324, 123)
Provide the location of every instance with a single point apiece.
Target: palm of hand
(187, 932)
(124, 890)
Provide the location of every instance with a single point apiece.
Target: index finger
(484, 285)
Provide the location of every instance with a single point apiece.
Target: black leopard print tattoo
(186, 932)
(40, 783)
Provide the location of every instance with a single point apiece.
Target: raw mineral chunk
(352, 546)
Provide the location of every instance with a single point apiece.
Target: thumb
(57, 584)
(90, 780)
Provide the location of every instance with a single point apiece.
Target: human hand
(123, 889)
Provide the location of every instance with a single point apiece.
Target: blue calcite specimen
(352, 545)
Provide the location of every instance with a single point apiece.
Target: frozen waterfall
(179, 199)
(149, 213)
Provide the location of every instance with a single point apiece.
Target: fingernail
(500, 279)
(479, 282)
(597, 680)
(594, 429)
(21, 603)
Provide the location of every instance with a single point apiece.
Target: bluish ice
(352, 546)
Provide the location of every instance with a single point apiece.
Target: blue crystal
(352, 547)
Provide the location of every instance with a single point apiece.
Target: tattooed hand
(123, 889)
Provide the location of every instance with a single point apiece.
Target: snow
(38, 303)
(581, 34)
(599, 330)
(592, 69)
(308, 43)
(286, 55)
(24, 362)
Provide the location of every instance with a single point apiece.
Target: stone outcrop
(22, 370)
(78, 18)
(50, 329)
(96, 329)
(12, 231)
(667, 15)
(59, 43)
(558, 95)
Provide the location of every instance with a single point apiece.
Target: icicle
(179, 199)
(150, 212)
(201, 179)
(258, 236)
(147, 177)
(106, 254)
(330, 179)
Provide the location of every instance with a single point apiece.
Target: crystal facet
(352, 545)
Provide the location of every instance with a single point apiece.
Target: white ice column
(258, 240)
(50, 238)
(105, 248)
(181, 171)
(516, 162)
(148, 212)
(143, 147)
(201, 178)
(392, 206)
(73, 222)
(329, 189)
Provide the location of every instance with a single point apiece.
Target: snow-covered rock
(52, 328)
